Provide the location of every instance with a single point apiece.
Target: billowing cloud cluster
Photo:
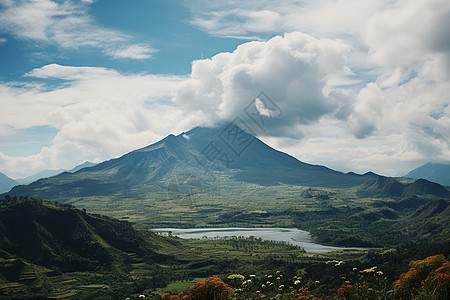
(401, 48)
(411, 97)
(296, 70)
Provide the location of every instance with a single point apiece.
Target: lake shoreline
(292, 236)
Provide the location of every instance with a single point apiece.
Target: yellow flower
(369, 270)
(236, 276)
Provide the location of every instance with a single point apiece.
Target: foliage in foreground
(427, 279)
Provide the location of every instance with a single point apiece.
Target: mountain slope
(6, 183)
(439, 173)
(390, 187)
(64, 237)
(261, 164)
(202, 152)
(86, 164)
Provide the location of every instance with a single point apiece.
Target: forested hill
(61, 236)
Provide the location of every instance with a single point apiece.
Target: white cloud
(325, 18)
(400, 48)
(67, 25)
(99, 113)
(70, 73)
(410, 43)
(2, 40)
(294, 70)
(134, 52)
(262, 108)
(409, 32)
(236, 22)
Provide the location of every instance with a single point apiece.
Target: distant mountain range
(204, 153)
(50, 173)
(7, 183)
(436, 172)
(39, 175)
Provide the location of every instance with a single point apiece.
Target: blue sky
(363, 85)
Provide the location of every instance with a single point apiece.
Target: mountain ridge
(390, 187)
(61, 236)
(156, 164)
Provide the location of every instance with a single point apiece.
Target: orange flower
(429, 273)
(345, 291)
(212, 288)
(304, 293)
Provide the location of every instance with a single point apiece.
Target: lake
(292, 236)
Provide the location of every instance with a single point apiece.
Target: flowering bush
(437, 284)
(346, 291)
(304, 293)
(212, 289)
(180, 296)
(429, 278)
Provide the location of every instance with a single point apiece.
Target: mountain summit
(207, 153)
(436, 172)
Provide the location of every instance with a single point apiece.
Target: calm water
(292, 236)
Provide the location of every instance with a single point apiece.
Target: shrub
(212, 289)
(429, 278)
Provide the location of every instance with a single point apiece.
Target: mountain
(51, 173)
(86, 164)
(261, 164)
(431, 221)
(55, 251)
(391, 187)
(6, 183)
(63, 237)
(436, 172)
(226, 152)
(39, 175)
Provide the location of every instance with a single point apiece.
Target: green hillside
(55, 251)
